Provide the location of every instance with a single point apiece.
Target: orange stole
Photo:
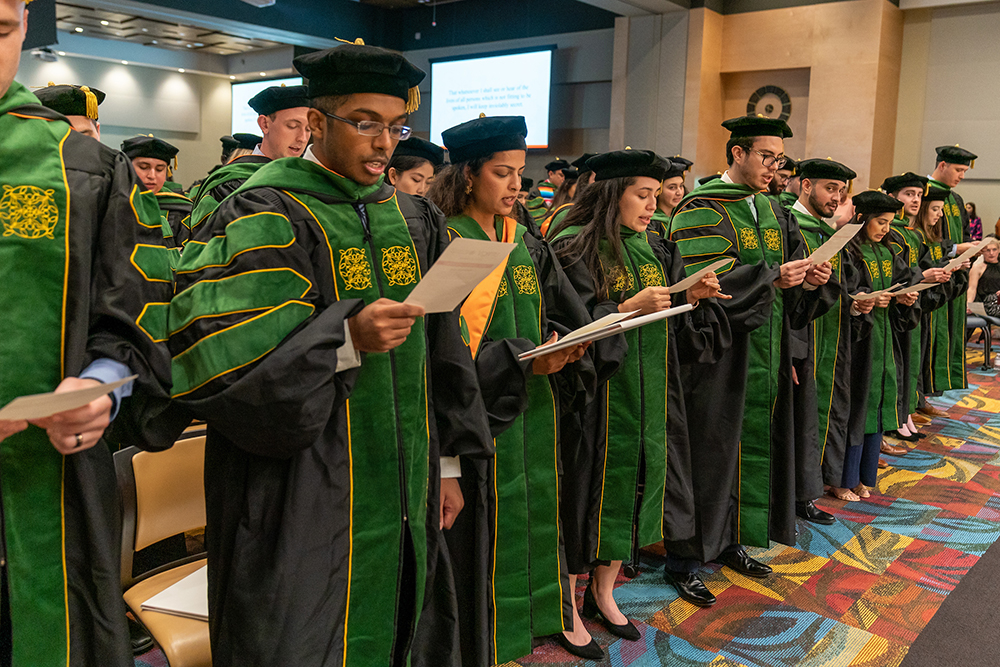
(477, 311)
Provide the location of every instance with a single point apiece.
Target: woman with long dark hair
(413, 165)
(874, 398)
(510, 566)
(624, 484)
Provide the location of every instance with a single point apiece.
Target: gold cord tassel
(357, 42)
(175, 163)
(91, 102)
(972, 165)
(850, 186)
(927, 188)
(413, 100)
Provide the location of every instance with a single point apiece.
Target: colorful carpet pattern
(854, 594)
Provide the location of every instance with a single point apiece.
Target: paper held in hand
(954, 264)
(464, 264)
(694, 278)
(868, 296)
(39, 406)
(187, 598)
(912, 289)
(834, 244)
(614, 327)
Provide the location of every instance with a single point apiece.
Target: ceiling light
(263, 73)
(232, 78)
(105, 23)
(190, 45)
(145, 29)
(62, 53)
(78, 29)
(124, 62)
(154, 42)
(260, 3)
(181, 70)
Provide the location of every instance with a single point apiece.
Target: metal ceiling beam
(212, 23)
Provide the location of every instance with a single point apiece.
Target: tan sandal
(843, 494)
(862, 491)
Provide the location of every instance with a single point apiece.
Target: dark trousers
(687, 566)
(861, 463)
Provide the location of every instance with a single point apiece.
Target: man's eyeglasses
(373, 128)
(768, 160)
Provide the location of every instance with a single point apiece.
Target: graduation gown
(311, 469)
(539, 200)
(824, 390)
(949, 362)
(553, 220)
(938, 330)
(624, 438)
(72, 218)
(175, 210)
(742, 444)
(219, 184)
(507, 545)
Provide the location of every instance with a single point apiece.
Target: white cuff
(347, 356)
(450, 467)
(854, 310)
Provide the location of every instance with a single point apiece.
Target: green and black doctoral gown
(948, 362)
(659, 224)
(742, 441)
(909, 244)
(787, 199)
(218, 185)
(823, 395)
(523, 216)
(553, 220)
(507, 544)
(937, 334)
(317, 481)
(622, 488)
(175, 209)
(85, 276)
(885, 269)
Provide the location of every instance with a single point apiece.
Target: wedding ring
(79, 440)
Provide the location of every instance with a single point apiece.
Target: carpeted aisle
(857, 593)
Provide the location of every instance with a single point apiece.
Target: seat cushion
(183, 640)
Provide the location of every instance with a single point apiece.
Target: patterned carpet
(856, 593)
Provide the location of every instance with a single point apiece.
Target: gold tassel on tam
(91, 102)
(357, 42)
(413, 100)
(850, 186)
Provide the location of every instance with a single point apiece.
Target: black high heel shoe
(591, 610)
(591, 651)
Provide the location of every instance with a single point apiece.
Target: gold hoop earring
(468, 189)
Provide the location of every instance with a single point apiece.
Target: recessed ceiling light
(190, 45)
(62, 53)
(145, 29)
(105, 23)
(124, 62)
(78, 29)
(263, 73)
(232, 78)
(154, 42)
(181, 70)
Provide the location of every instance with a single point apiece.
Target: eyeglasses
(373, 128)
(768, 160)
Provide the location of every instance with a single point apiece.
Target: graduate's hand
(383, 325)
(795, 376)
(936, 275)
(452, 502)
(9, 427)
(964, 265)
(706, 288)
(648, 301)
(907, 299)
(87, 422)
(865, 307)
(819, 275)
(793, 273)
(883, 301)
(553, 363)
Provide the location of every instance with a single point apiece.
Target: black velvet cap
(229, 143)
(417, 147)
(956, 155)
(757, 126)
(791, 165)
(907, 180)
(526, 184)
(274, 99)
(571, 172)
(357, 68)
(710, 177)
(875, 201)
(628, 163)
(818, 168)
(247, 140)
(70, 100)
(581, 162)
(934, 193)
(148, 146)
(678, 166)
(484, 136)
(557, 164)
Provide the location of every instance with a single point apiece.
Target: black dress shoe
(591, 610)
(140, 639)
(740, 561)
(591, 651)
(690, 588)
(807, 510)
